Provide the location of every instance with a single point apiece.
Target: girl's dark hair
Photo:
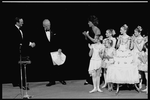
(93, 19)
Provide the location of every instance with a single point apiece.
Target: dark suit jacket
(44, 44)
(44, 47)
(15, 41)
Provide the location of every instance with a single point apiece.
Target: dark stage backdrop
(68, 21)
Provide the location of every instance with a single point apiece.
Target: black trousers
(16, 75)
(55, 73)
(19, 53)
(88, 77)
(51, 72)
(23, 75)
(60, 72)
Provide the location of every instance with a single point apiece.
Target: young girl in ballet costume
(143, 57)
(96, 51)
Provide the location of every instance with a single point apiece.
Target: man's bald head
(46, 24)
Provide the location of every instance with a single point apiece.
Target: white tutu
(135, 59)
(96, 61)
(58, 59)
(123, 71)
(107, 62)
(94, 65)
(123, 74)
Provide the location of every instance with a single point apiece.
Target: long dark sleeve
(55, 43)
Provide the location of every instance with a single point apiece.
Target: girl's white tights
(96, 83)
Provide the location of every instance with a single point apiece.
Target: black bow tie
(47, 30)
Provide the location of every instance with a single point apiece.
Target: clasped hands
(32, 44)
(85, 33)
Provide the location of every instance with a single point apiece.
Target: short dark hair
(17, 19)
(94, 20)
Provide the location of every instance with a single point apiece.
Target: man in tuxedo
(19, 50)
(48, 44)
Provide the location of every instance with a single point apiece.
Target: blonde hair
(125, 27)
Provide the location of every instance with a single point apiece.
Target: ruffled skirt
(94, 65)
(143, 67)
(122, 73)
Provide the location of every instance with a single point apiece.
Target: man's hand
(32, 44)
(59, 51)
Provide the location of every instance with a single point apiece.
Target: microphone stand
(26, 96)
(21, 77)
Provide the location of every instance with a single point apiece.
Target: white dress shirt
(20, 31)
(48, 35)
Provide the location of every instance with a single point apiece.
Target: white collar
(17, 27)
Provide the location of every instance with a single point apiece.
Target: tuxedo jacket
(19, 45)
(45, 46)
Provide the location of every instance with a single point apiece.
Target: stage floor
(73, 89)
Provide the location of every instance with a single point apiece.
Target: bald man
(46, 25)
(48, 43)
